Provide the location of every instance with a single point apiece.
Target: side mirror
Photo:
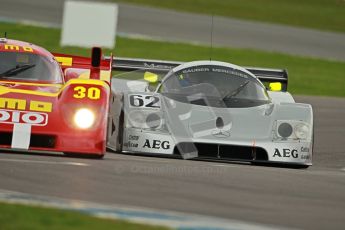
(275, 86)
(151, 77)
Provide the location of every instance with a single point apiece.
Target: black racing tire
(300, 166)
(120, 132)
(84, 156)
(279, 165)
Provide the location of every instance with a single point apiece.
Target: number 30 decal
(91, 93)
(144, 101)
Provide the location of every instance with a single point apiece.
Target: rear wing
(266, 75)
(132, 64)
(98, 66)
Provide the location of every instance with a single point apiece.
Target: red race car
(53, 102)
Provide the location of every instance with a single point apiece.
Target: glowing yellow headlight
(84, 118)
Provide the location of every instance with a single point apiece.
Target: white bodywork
(155, 124)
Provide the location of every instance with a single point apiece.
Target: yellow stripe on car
(65, 61)
(5, 90)
(12, 103)
(33, 84)
(41, 106)
(20, 104)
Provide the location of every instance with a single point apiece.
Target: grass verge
(307, 76)
(317, 14)
(15, 216)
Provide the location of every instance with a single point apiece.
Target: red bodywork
(39, 115)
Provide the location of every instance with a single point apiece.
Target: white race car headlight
(153, 121)
(301, 131)
(84, 118)
(292, 130)
(145, 120)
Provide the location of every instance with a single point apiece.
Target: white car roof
(207, 62)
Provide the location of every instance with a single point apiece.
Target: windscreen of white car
(216, 86)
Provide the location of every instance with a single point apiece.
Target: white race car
(208, 110)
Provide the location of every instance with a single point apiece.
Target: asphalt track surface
(174, 26)
(305, 199)
(313, 198)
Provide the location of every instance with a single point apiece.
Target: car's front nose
(240, 134)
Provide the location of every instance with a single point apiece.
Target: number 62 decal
(147, 101)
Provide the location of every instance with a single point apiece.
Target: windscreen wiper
(16, 70)
(235, 92)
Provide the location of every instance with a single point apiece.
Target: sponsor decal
(133, 138)
(146, 101)
(156, 144)
(156, 66)
(305, 157)
(286, 153)
(21, 104)
(195, 70)
(130, 144)
(132, 141)
(229, 71)
(23, 117)
(305, 150)
(18, 48)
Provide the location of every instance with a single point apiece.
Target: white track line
(176, 220)
(44, 162)
(140, 158)
(224, 165)
(30, 22)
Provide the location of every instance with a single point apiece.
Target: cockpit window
(28, 67)
(212, 85)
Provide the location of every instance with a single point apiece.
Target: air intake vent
(226, 152)
(5, 138)
(42, 141)
(36, 141)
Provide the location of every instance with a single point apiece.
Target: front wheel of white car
(280, 165)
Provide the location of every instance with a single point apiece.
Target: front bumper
(150, 142)
(91, 142)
